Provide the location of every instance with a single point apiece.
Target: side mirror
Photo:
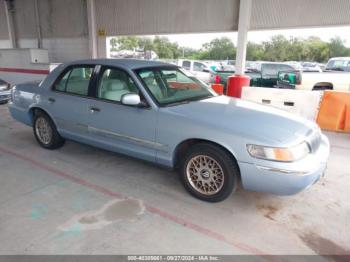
(131, 99)
(206, 70)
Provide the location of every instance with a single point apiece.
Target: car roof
(340, 58)
(125, 63)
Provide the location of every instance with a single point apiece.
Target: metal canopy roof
(68, 28)
(121, 17)
(68, 18)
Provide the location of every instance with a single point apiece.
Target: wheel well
(183, 147)
(33, 111)
(323, 86)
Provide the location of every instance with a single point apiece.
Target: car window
(285, 68)
(273, 69)
(170, 86)
(61, 85)
(114, 84)
(198, 67)
(186, 65)
(341, 65)
(75, 81)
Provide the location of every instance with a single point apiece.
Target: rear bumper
(286, 180)
(20, 114)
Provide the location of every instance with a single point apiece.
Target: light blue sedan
(157, 112)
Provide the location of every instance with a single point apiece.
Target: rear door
(125, 129)
(68, 101)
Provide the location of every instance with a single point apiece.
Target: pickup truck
(335, 77)
(199, 69)
(263, 74)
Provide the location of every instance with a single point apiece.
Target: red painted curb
(25, 71)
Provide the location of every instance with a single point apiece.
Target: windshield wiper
(196, 98)
(188, 100)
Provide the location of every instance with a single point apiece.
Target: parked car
(155, 112)
(262, 74)
(338, 64)
(4, 91)
(199, 69)
(336, 76)
(311, 67)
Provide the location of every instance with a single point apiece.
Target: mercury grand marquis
(157, 112)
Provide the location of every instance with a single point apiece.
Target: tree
(127, 42)
(337, 48)
(113, 42)
(315, 50)
(254, 51)
(165, 49)
(145, 43)
(218, 49)
(190, 53)
(276, 49)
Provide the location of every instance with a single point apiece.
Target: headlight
(279, 154)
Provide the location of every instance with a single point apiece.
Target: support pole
(37, 22)
(236, 82)
(9, 10)
(245, 7)
(92, 28)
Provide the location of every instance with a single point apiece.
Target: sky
(197, 40)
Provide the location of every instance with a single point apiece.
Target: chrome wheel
(205, 175)
(43, 130)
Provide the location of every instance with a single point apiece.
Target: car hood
(256, 122)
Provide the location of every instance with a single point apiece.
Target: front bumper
(5, 96)
(286, 178)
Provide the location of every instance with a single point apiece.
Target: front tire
(45, 131)
(209, 173)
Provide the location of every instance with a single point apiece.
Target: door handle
(94, 109)
(51, 100)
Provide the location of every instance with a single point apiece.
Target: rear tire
(209, 173)
(45, 131)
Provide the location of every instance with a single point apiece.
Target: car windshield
(338, 65)
(172, 85)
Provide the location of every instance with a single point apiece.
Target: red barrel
(235, 84)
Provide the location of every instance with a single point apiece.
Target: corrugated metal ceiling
(67, 18)
(274, 14)
(120, 17)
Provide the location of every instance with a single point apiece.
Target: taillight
(298, 78)
(217, 79)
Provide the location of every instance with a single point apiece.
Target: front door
(126, 129)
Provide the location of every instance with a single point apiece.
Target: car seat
(154, 88)
(114, 86)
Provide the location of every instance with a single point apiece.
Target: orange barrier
(218, 88)
(334, 112)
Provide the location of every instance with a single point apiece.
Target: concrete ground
(82, 200)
